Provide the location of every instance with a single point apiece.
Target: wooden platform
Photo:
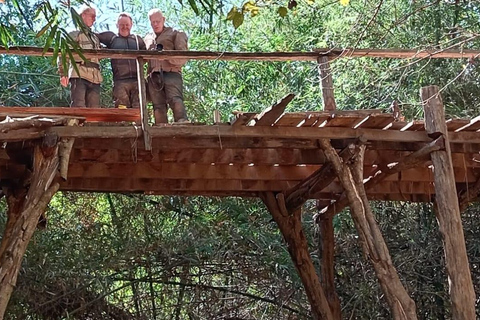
(244, 158)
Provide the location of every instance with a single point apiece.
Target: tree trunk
(448, 213)
(371, 239)
(290, 225)
(24, 210)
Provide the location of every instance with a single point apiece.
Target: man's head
(124, 24)
(88, 15)
(157, 20)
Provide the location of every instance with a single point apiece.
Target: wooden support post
(295, 197)
(25, 206)
(371, 239)
(327, 248)
(416, 159)
(64, 149)
(142, 95)
(448, 213)
(327, 84)
(290, 225)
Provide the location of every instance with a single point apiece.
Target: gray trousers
(166, 90)
(84, 93)
(125, 92)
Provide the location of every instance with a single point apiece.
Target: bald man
(165, 83)
(125, 82)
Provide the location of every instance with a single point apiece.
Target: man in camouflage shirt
(84, 84)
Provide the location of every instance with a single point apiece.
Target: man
(84, 84)
(125, 82)
(165, 83)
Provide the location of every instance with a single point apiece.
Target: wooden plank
(448, 213)
(201, 156)
(327, 84)
(271, 114)
(142, 95)
(290, 120)
(376, 121)
(243, 119)
(454, 124)
(255, 56)
(473, 126)
(163, 186)
(314, 121)
(397, 125)
(201, 171)
(90, 114)
(190, 171)
(282, 144)
(415, 125)
(402, 190)
(346, 121)
(256, 132)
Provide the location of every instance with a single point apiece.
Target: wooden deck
(256, 153)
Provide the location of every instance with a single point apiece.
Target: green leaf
(193, 4)
(44, 29)
(56, 47)
(282, 11)
(49, 40)
(237, 20)
(231, 13)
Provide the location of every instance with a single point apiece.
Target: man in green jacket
(84, 84)
(165, 83)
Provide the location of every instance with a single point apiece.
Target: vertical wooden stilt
(327, 84)
(327, 245)
(448, 214)
(24, 209)
(142, 94)
(290, 225)
(371, 239)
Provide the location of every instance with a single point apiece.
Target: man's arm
(141, 43)
(106, 38)
(181, 43)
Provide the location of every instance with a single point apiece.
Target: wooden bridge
(340, 158)
(265, 152)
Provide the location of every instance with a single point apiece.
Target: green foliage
(227, 255)
(207, 258)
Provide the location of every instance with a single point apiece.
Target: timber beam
(448, 212)
(316, 182)
(416, 159)
(290, 225)
(26, 204)
(371, 240)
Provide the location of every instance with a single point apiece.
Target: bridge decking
(243, 158)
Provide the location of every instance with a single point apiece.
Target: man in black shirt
(125, 83)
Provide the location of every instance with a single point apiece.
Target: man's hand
(64, 81)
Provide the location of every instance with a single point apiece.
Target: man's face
(124, 25)
(89, 17)
(157, 21)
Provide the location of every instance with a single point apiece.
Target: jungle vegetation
(124, 256)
